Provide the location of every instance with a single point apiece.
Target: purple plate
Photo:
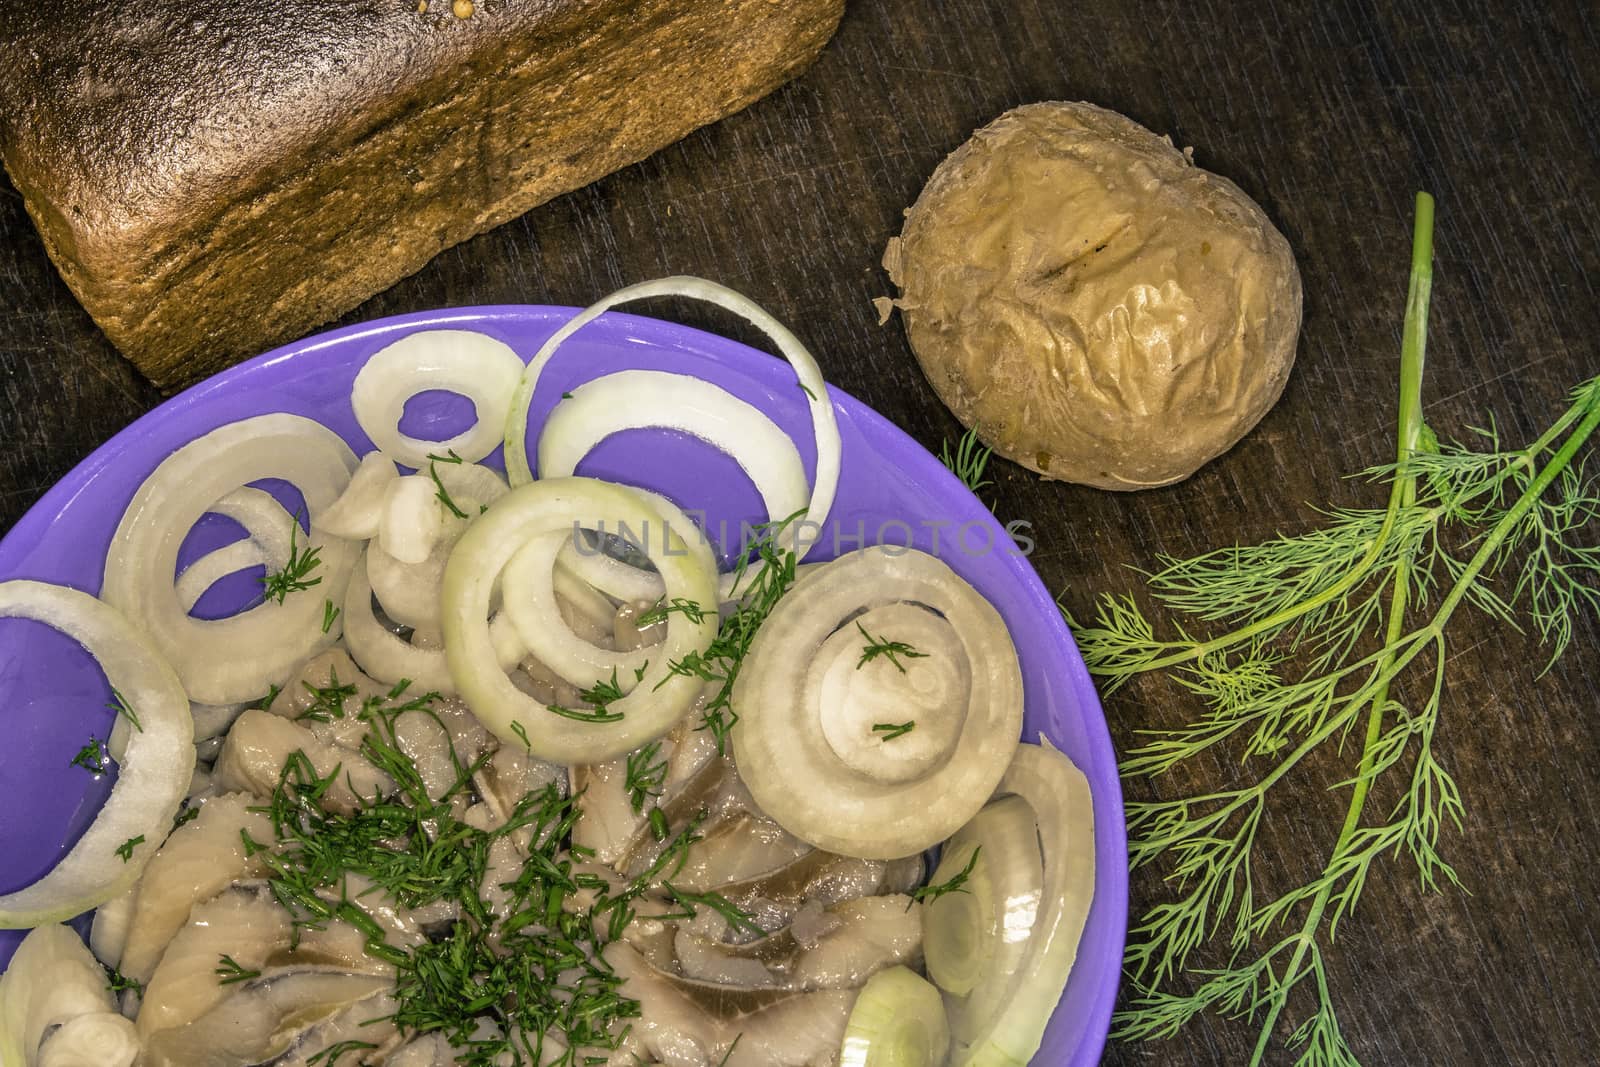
(890, 491)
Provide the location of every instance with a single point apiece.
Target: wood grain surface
(1331, 113)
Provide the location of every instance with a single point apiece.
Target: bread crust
(213, 177)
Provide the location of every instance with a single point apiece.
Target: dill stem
(1403, 494)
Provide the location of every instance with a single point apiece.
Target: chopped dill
(689, 609)
(120, 705)
(230, 971)
(294, 576)
(440, 492)
(330, 1056)
(737, 920)
(118, 982)
(645, 775)
(956, 883)
(770, 574)
(125, 850)
(327, 701)
(892, 730)
(969, 461)
(522, 735)
(92, 756)
(329, 615)
(889, 650)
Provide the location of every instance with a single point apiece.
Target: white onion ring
(799, 671)
(409, 592)
(411, 521)
(476, 366)
(268, 528)
(637, 399)
(154, 763)
(529, 587)
(224, 661)
(658, 700)
(825, 426)
(618, 580)
(1006, 1024)
(388, 657)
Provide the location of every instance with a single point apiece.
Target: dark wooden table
(1331, 113)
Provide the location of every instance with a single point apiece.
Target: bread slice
(212, 177)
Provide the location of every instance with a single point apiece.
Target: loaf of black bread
(212, 177)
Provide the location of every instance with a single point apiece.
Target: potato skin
(1099, 308)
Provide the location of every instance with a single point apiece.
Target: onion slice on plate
(224, 661)
(473, 364)
(268, 544)
(154, 763)
(638, 398)
(1002, 951)
(820, 737)
(654, 700)
(56, 1009)
(825, 427)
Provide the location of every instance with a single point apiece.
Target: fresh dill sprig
(92, 756)
(330, 614)
(892, 730)
(738, 920)
(119, 704)
(646, 775)
(118, 982)
(230, 971)
(956, 883)
(590, 715)
(187, 813)
(758, 585)
(439, 491)
(889, 650)
(294, 576)
(1325, 627)
(603, 693)
(969, 460)
(330, 1056)
(689, 609)
(125, 850)
(327, 701)
(522, 735)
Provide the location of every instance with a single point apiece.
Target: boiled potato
(1099, 308)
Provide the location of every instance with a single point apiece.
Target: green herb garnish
(327, 701)
(125, 850)
(956, 883)
(889, 650)
(330, 1056)
(119, 704)
(892, 730)
(1336, 633)
(440, 492)
(773, 575)
(969, 461)
(646, 775)
(91, 757)
(294, 576)
(737, 920)
(229, 971)
(689, 609)
(117, 982)
(329, 615)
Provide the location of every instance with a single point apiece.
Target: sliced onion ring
(839, 785)
(268, 527)
(824, 425)
(224, 661)
(154, 763)
(660, 696)
(1002, 1020)
(635, 399)
(355, 515)
(475, 365)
